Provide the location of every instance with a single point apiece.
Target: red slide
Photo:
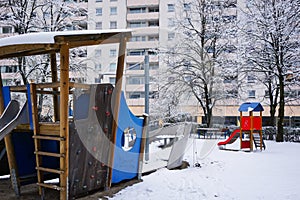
(232, 138)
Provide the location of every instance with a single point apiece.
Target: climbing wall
(90, 139)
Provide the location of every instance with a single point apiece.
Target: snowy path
(268, 175)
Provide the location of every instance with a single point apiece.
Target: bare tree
(27, 16)
(204, 46)
(272, 48)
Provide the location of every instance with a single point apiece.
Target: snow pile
(271, 174)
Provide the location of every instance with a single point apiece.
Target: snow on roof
(48, 37)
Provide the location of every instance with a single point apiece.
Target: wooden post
(260, 131)
(1, 96)
(36, 131)
(10, 150)
(241, 131)
(64, 122)
(116, 104)
(54, 80)
(251, 130)
(143, 142)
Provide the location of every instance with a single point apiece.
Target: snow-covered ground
(268, 175)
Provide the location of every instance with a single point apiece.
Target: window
(112, 80)
(137, 24)
(97, 52)
(153, 38)
(135, 80)
(137, 10)
(171, 22)
(171, 8)
(171, 36)
(251, 93)
(137, 38)
(98, 25)
(97, 80)
(113, 25)
(187, 6)
(98, 67)
(136, 95)
(135, 66)
(251, 79)
(153, 23)
(113, 0)
(113, 10)
(112, 67)
(98, 11)
(98, 1)
(153, 9)
(7, 29)
(136, 52)
(153, 66)
(113, 53)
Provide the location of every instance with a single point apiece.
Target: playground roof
(47, 42)
(248, 106)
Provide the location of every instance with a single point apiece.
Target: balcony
(142, 16)
(143, 45)
(139, 59)
(135, 3)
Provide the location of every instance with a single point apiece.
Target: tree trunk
(279, 136)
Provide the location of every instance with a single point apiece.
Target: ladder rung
(50, 170)
(42, 153)
(43, 137)
(51, 186)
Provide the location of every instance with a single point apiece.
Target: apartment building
(150, 22)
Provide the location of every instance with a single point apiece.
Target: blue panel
(24, 152)
(29, 106)
(126, 162)
(6, 95)
(247, 107)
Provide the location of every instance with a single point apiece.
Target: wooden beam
(10, 150)
(116, 104)
(54, 80)
(36, 131)
(26, 50)
(241, 131)
(64, 122)
(142, 149)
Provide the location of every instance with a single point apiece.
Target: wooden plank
(42, 153)
(251, 130)
(10, 150)
(36, 130)
(42, 137)
(49, 129)
(54, 78)
(142, 149)
(116, 103)
(49, 170)
(26, 50)
(241, 131)
(64, 122)
(51, 186)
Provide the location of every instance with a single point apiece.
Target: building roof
(47, 42)
(251, 106)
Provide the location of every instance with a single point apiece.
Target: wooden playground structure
(57, 146)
